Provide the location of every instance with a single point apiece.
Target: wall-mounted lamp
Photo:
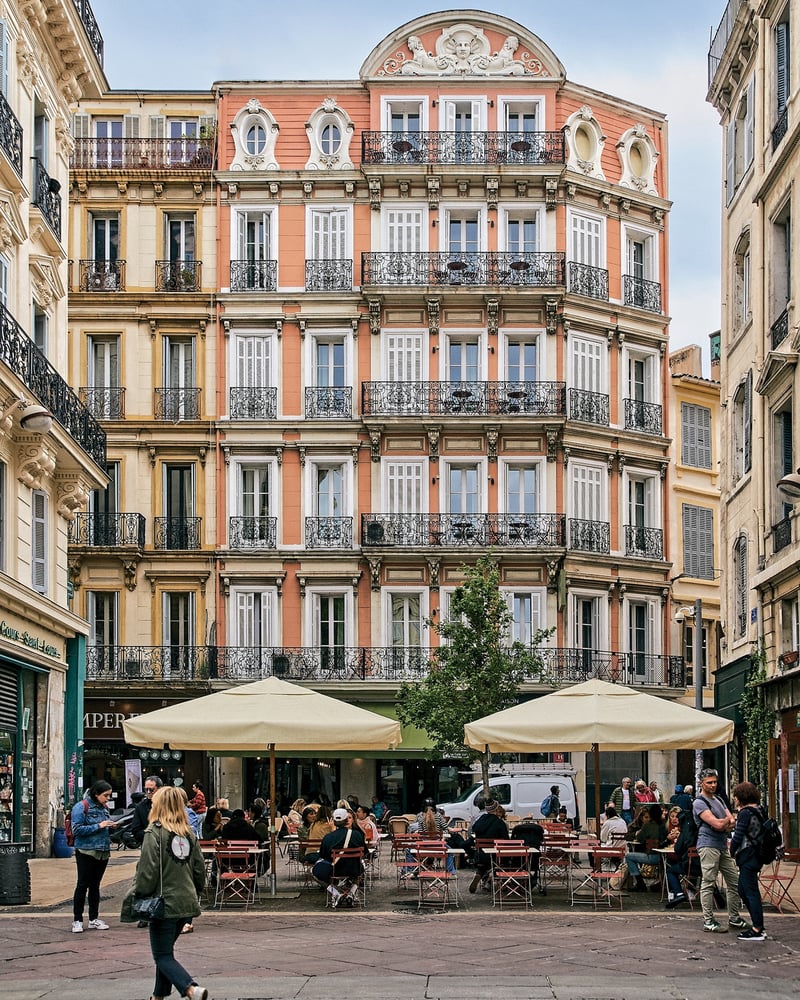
(433, 104)
(32, 417)
(491, 104)
(434, 223)
(491, 480)
(789, 486)
(491, 223)
(434, 349)
(53, 185)
(434, 480)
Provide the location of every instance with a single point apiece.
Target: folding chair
(776, 880)
(691, 879)
(433, 878)
(306, 847)
(555, 864)
(397, 827)
(351, 886)
(405, 863)
(511, 881)
(597, 884)
(236, 876)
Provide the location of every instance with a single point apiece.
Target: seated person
(367, 826)
(679, 865)
(487, 826)
(259, 823)
(379, 808)
(319, 829)
(349, 870)
(212, 824)
(308, 816)
(237, 828)
(563, 818)
(224, 807)
(295, 815)
(654, 830)
(533, 836)
(614, 828)
(429, 821)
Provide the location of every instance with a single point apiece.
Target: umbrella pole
(596, 753)
(273, 833)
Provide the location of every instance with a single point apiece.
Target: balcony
(640, 293)
(722, 37)
(176, 404)
(591, 407)
(101, 275)
(260, 403)
(781, 534)
(780, 128)
(46, 197)
(178, 275)
(149, 154)
(329, 275)
(536, 399)
(532, 269)
(177, 664)
(252, 532)
(329, 532)
(11, 136)
(91, 27)
(537, 531)
(591, 282)
(176, 533)
(325, 401)
(254, 275)
(589, 536)
(103, 403)
(644, 543)
(641, 416)
(479, 148)
(779, 330)
(33, 369)
(109, 531)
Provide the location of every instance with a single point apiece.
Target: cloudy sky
(643, 50)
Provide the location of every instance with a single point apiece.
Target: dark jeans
(90, 875)
(169, 971)
(748, 886)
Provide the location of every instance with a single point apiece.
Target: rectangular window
(406, 620)
(329, 234)
(688, 652)
(180, 238)
(253, 618)
(4, 271)
(329, 366)
(252, 236)
(104, 362)
(329, 493)
(329, 627)
(526, 611)
(403, 357)
(589, 501)
(403, 487)
(698, 542)
(253, 353)
(463, 491)
(742, 428)
(521, 234)
(39, 541)
(404, 230)
(102, 613)
(104, 238)
(404, 116)
(783, 457)
(3, 516)
(588, 364)
(4, 59)
(782, 64)
(40, 328)
(178, 635)
(585, 245)
(522, 360)
(522, 489)
(790, 624)
(463, 360)
(178, 494)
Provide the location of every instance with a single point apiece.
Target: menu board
(6, 792)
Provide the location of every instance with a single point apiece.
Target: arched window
(330, 139)
(256, 139)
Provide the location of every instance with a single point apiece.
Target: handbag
(152, 907)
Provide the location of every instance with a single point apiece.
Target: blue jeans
(636, 858)
(169, 971)
(627, 815)
(749, 890)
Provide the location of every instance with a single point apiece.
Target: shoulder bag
(152, 907)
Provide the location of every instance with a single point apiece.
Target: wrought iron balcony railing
(252, 532)
(103, 403)
(779, 330)
(589, 536)
(514, 148)
(254, 275)
(640, 293)
(537, 399)
(540, 531)
(11, 136)
(591, 407)
(107, 530)
(721, 37)
(30, 365)
(781, 534)
(259, 403)
(143, 154)
(329, 532)
(641, 416)
(178, 275)
(177, 664)
(91, 27)
(582, 279)
(329, 275)
(533, 269)
(102, 275)
(780, 128)
(177, 404)
(176, 532)
(47, 197)
(329, 401)
(644, 543)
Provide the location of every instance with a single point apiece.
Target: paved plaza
(291, 948)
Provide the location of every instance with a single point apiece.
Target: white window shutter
(749, 123)
(3, 58)
(157, 126)
(131, 125)
(730, 160)
(208, 124)
(81, 125)
(39, 541)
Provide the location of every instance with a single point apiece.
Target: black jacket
(141, 814)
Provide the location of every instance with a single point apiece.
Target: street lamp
(696, 613)
(789, 486)
(32, 416)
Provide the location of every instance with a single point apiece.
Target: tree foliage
(759, 719)
(475, 670)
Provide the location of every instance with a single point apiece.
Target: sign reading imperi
(31, 641)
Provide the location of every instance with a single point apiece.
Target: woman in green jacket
(171, 865)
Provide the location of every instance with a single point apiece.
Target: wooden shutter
(781, 65)
(750, 123)
(404, 357)
(730, 160)
(3, 58)
(131, 126)
(81, 125)
(747, 430)
(404, 487)
(157, 126)
(39, 541)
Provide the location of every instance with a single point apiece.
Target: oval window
(256, 140)
(638, 160)
(584, 143)
(330, 139)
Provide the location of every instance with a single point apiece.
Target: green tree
(759, 719)
(475, 670)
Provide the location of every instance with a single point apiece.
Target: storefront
(783, 695)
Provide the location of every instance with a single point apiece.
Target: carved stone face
(463, 46)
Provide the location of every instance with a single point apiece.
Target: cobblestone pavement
(293, 948)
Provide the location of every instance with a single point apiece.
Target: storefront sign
(103, 718)
(8, 631)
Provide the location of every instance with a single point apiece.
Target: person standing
(198, 800)
(715, 821)
(658, 795)
(91, 823)
(681, 798)
(623, 800)
(551, 805)
(141, 814)
(749, 820)
(171, 865)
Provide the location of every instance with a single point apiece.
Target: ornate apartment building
(345, 336)
(753, 74)
(52, 450)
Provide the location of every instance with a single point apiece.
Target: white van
(519, 794)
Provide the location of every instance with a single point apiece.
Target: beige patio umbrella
(597, 716)
(267, 715)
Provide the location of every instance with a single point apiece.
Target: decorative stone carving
(434, 313)
(434, 565)
(638, 156)
(462, 186)
(374, 572)
(71, 495)
(434, 186)
(335, 157)
(374, 193)
(433, 443)
(463, 50)
(553, 569)
(551, 315)
(375, 443)
(66, 144)
(37, 461)
(492, 186)
(585, 142)
(492, 437)
(374, 316)
(552, 443)
(550, 193)
(522, 188)
(255, 136)
(492, 316)
(404, 188)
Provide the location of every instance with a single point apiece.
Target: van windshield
(466, 794)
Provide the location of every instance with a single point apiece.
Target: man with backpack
(551, 805)
(715, 822)
(753, 845)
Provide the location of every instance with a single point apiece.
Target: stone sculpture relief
(463, 50)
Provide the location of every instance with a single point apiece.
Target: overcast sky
(647, 51)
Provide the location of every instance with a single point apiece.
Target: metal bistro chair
(776, 880)
(433, 878)
(352, 885)
(306, 847)
(599, 884)
(237, 876)
(511, 881)
(555, 864)
(405, 864)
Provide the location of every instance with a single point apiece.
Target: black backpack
(767, 840)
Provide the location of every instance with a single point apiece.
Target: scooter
(121, 836)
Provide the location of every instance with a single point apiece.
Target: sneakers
(714, 928)
(751, 934)
(198, 993)
(77, 927)
(97, 925)
(476, 881)
(336, 896)
(739, 925)
(676, 900)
